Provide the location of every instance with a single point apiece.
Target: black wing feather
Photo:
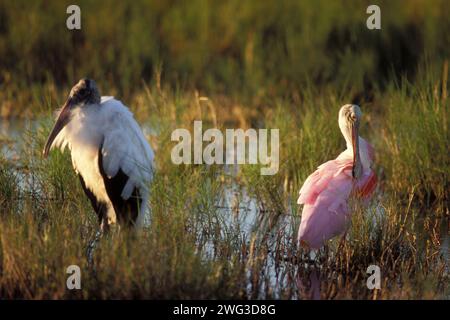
(99, 207)
(126, 210)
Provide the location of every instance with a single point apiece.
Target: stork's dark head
(83, 94)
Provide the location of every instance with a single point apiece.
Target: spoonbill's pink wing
(324, 195)
(366, 185)
(319, 180)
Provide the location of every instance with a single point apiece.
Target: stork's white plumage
(109, 153)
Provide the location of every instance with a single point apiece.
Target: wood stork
(326, 191)
(110, 154)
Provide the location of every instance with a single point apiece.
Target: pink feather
(325, 195)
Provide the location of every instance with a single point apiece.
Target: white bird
(109, 154)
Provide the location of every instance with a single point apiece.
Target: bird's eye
(82, 92)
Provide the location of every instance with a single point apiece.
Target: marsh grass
(253, 49)
(220, 233)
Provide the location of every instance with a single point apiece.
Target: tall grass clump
(415, 136)
(225, 231)
(264, 49)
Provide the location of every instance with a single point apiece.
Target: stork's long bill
(63, 119)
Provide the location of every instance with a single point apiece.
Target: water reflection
(245, 216)
(11, 133)
(308, 284)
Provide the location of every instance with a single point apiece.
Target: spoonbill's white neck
(349, 118)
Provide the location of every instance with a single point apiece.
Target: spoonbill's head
(84, 93)
(349, 119)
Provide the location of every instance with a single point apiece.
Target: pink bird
(325, 193)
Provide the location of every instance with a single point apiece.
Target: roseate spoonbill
(325, 193)
(110, 154)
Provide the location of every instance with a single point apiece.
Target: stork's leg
(91, 246)
(105, 227)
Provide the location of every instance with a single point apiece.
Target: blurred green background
(228, 47)
(288, 65)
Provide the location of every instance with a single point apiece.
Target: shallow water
(10, 133)
(239, 212)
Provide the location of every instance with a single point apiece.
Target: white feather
(124, 147)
